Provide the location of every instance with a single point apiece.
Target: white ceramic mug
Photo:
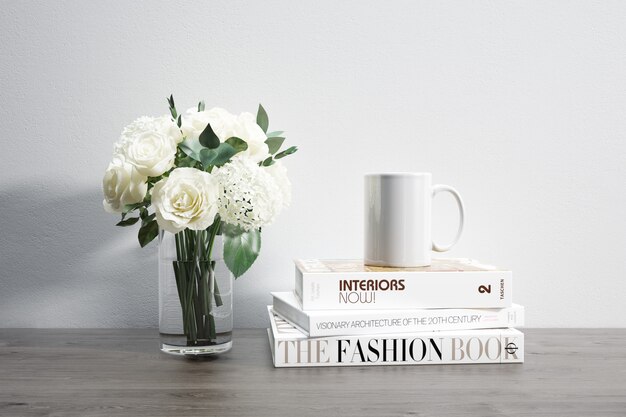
(398, 219)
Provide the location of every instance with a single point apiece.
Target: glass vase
(195, 294)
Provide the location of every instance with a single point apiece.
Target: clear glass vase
(195, 294)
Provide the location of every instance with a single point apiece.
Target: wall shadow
(65, 264)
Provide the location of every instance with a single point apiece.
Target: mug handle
(441, 188)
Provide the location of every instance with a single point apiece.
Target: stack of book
(345, 313)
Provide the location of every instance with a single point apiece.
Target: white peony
(250, 196)
(188, 198)
(149, 143)
(122, 185)
(162, 124)
(227, 125)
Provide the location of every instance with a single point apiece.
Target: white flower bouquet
(197, 175)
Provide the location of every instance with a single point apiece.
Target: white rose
(194, 122)
(152, 153)
(279, 173)
(247, 129)
(122, 185)
(226, 125)
(186, 199)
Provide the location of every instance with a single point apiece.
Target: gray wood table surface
(569, 372)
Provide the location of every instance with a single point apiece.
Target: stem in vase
(194, 272)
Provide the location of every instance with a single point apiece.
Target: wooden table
(122, 373)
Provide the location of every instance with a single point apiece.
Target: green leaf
(148, 232)
(274, 143)
(191, 147)
(173, 112)
(261, 118)
(224, 152)
(187, 162)
(275, 133)
(217, 157)
(241, 248)
(208, 138)
(269, 161)
(201, 106)
(179, 122)
(130, 207)
(207, 156)
(286, 152)
(240, 145)
(148, 219)
(128, 222)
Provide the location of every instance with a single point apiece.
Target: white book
(316, 323)
(447, 283)
(292, 348)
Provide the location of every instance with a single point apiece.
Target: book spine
(358, 291)
(428, 348)
(347, 323)
(298, 290)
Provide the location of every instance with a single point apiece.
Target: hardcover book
(316, 323)
(292, 348)
(447, 283)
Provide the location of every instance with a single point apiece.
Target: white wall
(520, 105)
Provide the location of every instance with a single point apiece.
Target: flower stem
(194, 272)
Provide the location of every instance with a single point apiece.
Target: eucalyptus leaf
(268, 162)
(240, 145)
(191, 147)
(128, 222)
(179, 122)
(208, 138)
(275, 133)
(207, 156)
(217, 157)
(286, 152)
(187, 162)
(148, 232)
(261, 118)
(224, 152)
(241, 248)
(274, 143)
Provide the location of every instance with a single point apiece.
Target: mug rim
(398, 174)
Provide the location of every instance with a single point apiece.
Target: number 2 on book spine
(485, 289)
